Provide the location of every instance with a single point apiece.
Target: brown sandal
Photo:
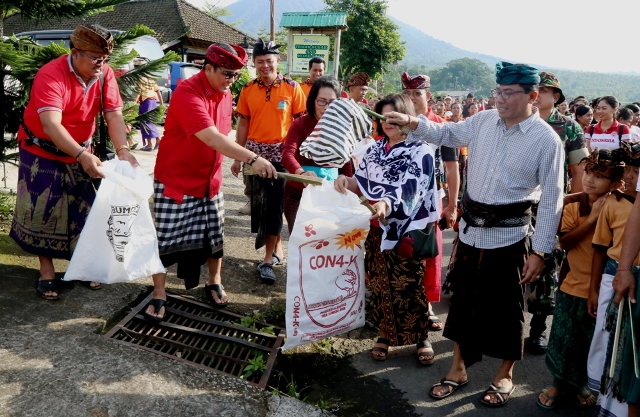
(383, 341)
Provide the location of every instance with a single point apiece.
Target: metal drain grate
(201, 336)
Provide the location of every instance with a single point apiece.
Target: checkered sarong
(185, 226)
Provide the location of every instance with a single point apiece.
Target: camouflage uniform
(541, 303)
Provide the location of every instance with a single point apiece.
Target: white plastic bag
(118, 242)
(325, 271)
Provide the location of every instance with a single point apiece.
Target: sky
(560, 33)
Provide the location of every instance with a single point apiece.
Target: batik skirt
(148, 130)
(569, 341)
(398, 300)
(52, 205)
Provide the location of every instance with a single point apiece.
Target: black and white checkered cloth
(182, 227)
(335, 136)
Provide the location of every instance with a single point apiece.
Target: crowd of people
(547, 204)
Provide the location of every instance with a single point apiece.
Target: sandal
(266, 273)
(383, 341)
(157, 304)
(92, 287)
(548, 397)
(425, 345)
(48, 285)
(146, 148)
(277, 261)
(135, 145)
(432, 319)
(499, 393)
(585, 399)
(444, 382)
(218, 289)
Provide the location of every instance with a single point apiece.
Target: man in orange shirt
(266, 108)
(316, 70)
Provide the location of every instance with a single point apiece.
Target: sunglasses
(230, 75)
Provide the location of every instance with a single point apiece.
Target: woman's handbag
(419, 244)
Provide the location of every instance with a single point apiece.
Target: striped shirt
(523, 163)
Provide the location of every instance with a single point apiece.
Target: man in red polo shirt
(55, 192)
(418, 89)
(188, 201)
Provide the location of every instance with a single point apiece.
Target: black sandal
(48, 285)
(157, 304)
(425, 345)
(384, 341)
(431, 320)
(218, 289)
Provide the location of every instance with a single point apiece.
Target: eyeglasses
(322, 103)
(93, 59)
(506, 95)
(230, 75)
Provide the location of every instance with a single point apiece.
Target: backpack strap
(620, 130)
(591, 127)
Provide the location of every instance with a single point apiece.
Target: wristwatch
(542, 255)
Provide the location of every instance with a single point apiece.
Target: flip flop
(277, 261)
(218, 289)
(157, 304)
(88, 285)
(500, 393)
(146, 148)
(449, 383)
(553, 398)
(47, 285)
(585, 394)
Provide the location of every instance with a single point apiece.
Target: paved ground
(53, 363)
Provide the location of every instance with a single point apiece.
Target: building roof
(170, 19)
(314, 20)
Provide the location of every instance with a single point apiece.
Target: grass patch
(7, 204)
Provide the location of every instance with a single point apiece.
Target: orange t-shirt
(575, 211)
(270, 110)
(611, 222)
(306, 88)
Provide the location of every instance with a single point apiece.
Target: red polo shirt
(185, 164)
(57, 87)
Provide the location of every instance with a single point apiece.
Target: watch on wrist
(542, 255)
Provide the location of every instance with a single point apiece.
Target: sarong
(485, 283)
(433, 269)
(569, 341)
(148, 130)
(52, 205)
(630, 384)
(398, 301)
(188, 233)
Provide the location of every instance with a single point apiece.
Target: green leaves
(372, 41)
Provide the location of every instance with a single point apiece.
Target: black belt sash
(492, 215)
(47, 145)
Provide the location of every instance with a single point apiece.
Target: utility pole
(273, 20)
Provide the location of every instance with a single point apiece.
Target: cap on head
(87, 39)
(415, 82)
(225, 59)
(547, 79)
(508, 73)
(262, 48)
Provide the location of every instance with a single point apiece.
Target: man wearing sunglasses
(515, 160)
(56, 164)
(266, 108)
(188, 200)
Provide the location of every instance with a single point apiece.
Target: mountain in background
(426, 52)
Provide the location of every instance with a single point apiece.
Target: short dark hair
(316, 60)
(529, 87)
(324, 81)
(633, 108)
(582, 110)
(400, 103)
(625, 114)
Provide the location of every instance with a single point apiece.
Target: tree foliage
(372, 41)
(464, 74)
(214, 9)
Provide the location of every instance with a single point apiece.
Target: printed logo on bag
(119, 228)
(337, 257)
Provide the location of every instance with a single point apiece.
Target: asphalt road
(403, 372)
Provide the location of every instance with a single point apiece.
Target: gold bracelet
(121, 147)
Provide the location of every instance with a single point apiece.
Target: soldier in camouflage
(541, 302)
